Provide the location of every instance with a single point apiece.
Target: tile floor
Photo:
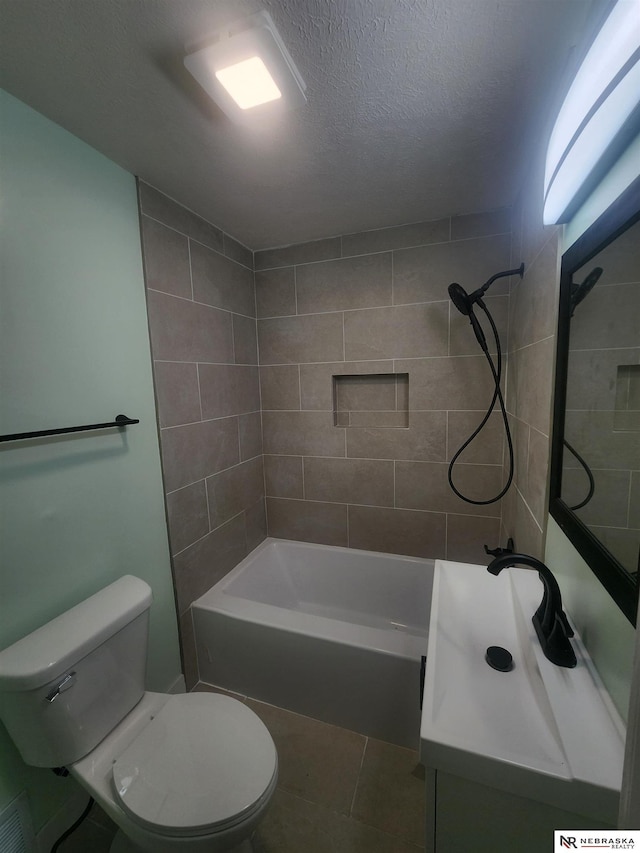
(338, 792)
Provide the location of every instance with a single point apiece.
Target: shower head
(579, 291)
(464, 301)
(460, 299)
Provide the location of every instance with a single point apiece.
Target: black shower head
(464, 301)
(460, 299)
(579, 291)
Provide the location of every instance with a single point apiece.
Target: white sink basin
(540, 731)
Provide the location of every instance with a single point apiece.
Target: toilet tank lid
(47, 652)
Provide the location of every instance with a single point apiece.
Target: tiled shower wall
(533, 313)
(374, 306)
(201, 307)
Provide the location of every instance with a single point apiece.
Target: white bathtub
(333, 633)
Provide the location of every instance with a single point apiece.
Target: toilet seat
(203, 763)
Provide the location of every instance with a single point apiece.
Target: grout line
(226, 521)
(342, 256)
(385, 506)
(206, 494)
(355, 790)
(190, 267)
(214, 474)
(211, 420)
(199, 390)
(203, 304)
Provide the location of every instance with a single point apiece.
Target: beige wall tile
(486, 448)
(184, 331)
(467, 535)
(399, 237)
(534, 384)
(206, 562)
(159, 206)
(302, 434)
(250, 429)
(177, 393)
(283, 476)
(403, 332)
(357, 481)
(480, 224)
(424, 440)
(276, 292)
(234, 490)
(237, 251)
(299, 253)
(521, 525)
(245, 339)
(386, 420)
(187, 515)
(166, 258)
(423, 274)
(593, 436)
(256, 524)
(195, 451)
(290, 340)
(425, 485)
(534, 299)
(537, 475)
(462, 340)
(369, 393)
(188, 651)
(308, 521)
(228, 389)
(363, 282)
(609, 506)
(606, 308)
(396, 531)
(316, 380)
(453, 382)
(280, 387)
(221, 282)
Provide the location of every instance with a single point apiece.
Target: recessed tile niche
(371, 400)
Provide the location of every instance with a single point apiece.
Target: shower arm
(480, 292)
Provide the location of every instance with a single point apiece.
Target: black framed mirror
(595, 456)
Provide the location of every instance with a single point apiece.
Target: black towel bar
(120, 421)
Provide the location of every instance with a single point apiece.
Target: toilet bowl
(185, 772)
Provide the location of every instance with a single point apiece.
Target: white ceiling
(417, 109)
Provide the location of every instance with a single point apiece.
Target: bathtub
(333, 633)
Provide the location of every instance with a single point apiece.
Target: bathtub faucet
(549, 620)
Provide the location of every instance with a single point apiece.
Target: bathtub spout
(549, 620)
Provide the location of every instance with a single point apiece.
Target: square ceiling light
(248, 68)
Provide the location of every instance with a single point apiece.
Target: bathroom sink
(540, 731)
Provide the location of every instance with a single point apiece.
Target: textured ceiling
(417, 109)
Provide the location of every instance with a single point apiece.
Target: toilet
(184, 772)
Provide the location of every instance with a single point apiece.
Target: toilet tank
(64, 687)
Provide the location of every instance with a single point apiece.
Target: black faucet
(549, 620)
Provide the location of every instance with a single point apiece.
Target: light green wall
(606, 632)
(77, 512)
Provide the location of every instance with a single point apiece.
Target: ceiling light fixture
(599, 117)
(246, 66)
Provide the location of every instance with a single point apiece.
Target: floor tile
(317, 761)
(390, 794)
(293, 825)
(88, 836)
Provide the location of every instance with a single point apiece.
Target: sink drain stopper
(499, 658)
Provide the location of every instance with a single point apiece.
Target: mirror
(595, 465)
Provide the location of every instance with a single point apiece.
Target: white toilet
(188, 772)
